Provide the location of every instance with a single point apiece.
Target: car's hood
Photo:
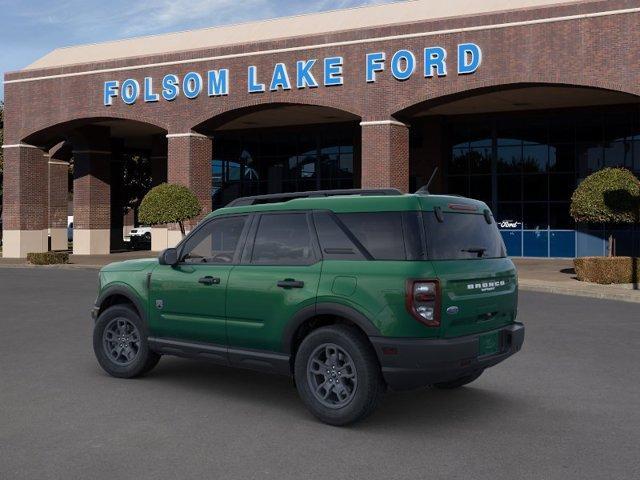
(131, 265)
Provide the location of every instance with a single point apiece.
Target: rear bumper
(414, 363)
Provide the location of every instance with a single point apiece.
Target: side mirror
(168, 257)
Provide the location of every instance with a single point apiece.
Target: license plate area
(489, 344)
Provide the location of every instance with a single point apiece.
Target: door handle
(290, 283)
(208, 280)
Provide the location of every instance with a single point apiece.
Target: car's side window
(381, 233)
(283, 239)
(216, 242)
(334, 242)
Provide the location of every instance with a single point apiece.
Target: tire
(135, 358)
(458, 382)
(359, 386)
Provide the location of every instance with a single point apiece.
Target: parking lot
(567, 406)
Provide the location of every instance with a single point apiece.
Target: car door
(187, 300)
(278, 276)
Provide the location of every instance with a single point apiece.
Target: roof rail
(283, 197)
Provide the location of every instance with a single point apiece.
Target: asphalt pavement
(566, 407)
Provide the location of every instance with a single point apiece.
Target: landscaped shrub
(606, 270)
(169, 203)
(610, 195)
(48, 258)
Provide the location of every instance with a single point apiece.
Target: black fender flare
(326, 308)
(125, 292)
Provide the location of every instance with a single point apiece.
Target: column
(25, 201)
(385, 154)
(189, 164)
(58, 197)
(158, 158)
(92, 192)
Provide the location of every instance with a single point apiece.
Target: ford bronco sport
(349, 292)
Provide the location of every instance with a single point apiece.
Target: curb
(62, 266)
(631, 296)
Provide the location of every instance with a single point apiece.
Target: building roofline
(309, 24)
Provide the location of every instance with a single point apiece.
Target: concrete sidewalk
(558, 276)
(535, 274)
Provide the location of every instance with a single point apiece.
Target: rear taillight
(423, 301)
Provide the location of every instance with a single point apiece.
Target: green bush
(169, 203)
(610, 195)
(607, 270)
(48, 258)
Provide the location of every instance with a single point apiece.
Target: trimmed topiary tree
(610, 195)
(169, 203)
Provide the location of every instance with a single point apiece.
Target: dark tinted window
(379, 232)
(334, 242)
(462, 236)
(216, 242)
(283, 240)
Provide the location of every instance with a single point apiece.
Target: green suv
(348, 291)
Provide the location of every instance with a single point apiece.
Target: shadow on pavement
(418, 409)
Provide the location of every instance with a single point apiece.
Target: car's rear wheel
(337, 375)
(459, 382)
(120, 343)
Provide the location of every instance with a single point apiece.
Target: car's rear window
(462, 236)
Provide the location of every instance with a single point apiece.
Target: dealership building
(515, 101)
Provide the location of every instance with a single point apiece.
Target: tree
(611, 195)
(169, 203)
(136, 182)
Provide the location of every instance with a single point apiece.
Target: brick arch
(456, 92)
(46, 136)
(239, 109)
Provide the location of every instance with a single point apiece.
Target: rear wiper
(478, 250)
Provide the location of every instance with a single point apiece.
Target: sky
(31, 28)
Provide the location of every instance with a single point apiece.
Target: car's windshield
(462, 236)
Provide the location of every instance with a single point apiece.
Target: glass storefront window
(530, 164)
(509, 159)
(535, 215)
(255, 162)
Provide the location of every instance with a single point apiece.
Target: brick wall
(597, 51)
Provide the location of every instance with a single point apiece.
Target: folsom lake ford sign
(310, 73)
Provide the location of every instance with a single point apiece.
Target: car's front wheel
(120, 343)
(337, 375)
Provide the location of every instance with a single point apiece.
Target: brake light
(423, 301)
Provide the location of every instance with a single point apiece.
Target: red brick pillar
(385, 155)
(58, 196)
(92, 192)
(189, 164)
(25, 201)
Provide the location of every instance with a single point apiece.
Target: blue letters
(218, 82)
(402, 66)
(434, 57)
(170, 89)
(253, 85)
(280, 78)
(304, 77)
(469, 58)
(149, 96)
(400, 71)
(130, 91)
(375, 63)
(192, 85)
(110, 91)
(333, 71)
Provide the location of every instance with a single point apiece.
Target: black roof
(283, 197)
